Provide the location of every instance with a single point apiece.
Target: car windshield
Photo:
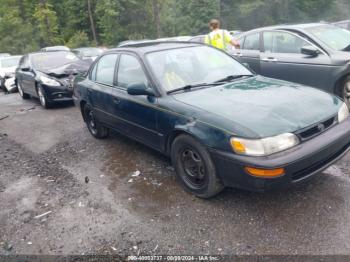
(10, 62)
(335, 37)
(176, 68)
(89, 52)
(49, 60)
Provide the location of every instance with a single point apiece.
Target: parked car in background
(8, 66)
(343, 24)
(54, 48)
(221, 124)
(317, 55)
(235, 33)
(4, 54)
(197, 39)
(89, 54)
(132, 42)
(49, 76)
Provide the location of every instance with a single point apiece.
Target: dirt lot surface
(64, 192)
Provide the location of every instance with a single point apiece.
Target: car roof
(287, 27)
(154, 46)
(340, 22)
(44, 52)
(85, 48)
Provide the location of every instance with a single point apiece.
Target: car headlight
(343, 113)
(264, 146)
(49, 81)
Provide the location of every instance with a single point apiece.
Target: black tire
(44, 101)
(96, 129)
(194, 168)
(21, 93)
(345, 90)
(2, 84)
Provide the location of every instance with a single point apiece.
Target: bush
(79, 39)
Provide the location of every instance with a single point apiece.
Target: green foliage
(27, 25)
(79, 39)
(46, 21)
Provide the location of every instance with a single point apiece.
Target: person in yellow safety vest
(219, 38)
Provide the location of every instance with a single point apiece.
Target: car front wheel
(45, 103)
(194, 168)
(21, 93)
(94, 126)
(346, 91)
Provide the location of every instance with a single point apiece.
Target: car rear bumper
(300, 163)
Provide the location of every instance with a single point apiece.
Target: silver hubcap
(20, 90)
(41, 97)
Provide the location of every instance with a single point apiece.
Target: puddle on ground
(153, 189)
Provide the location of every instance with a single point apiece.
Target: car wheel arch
(177, 132)
(82, 105)
(339, 84)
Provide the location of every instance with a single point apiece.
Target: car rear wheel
(194, 168)
(94, 126)
(21, 93)
(346, 90)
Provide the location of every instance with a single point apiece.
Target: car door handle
(269, 59)
(116, 100)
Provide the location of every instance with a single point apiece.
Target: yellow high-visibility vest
(218, 38)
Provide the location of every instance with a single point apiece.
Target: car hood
(77, 67)
(262, 107)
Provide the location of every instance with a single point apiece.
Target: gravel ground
(65, 193)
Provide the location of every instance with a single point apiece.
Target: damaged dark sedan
(221, 124)
(48, 76)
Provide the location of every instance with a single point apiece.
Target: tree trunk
(92, 23)
(156, 17)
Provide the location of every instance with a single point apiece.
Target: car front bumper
(300, 163)
(58, 94)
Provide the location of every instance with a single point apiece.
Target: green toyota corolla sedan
(220, 124)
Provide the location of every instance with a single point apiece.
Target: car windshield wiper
(232, 77)
(188, 87)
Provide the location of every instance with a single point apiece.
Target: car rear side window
(283, 42)
(130, 71)
(252, 42)
(104, 69)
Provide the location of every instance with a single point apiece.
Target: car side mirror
(310, 51)
(25, 69)
(139, 89)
